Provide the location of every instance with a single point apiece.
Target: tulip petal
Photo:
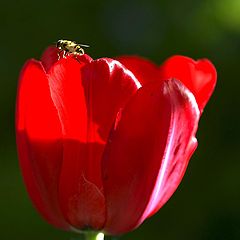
(38, 133)
(144, 70)
(147, 153)
(198, 76)
(49, 57)
(87, 99)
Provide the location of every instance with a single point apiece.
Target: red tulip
(104, 148)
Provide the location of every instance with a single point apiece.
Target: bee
(69, 47)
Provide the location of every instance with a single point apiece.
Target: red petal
(147, 153)
(199, 76)
(50, 57)
(144, 70)
(38, 139)
(88, 99)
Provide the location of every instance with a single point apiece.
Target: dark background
(207, 203)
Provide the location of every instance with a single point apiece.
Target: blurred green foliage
(206, 205)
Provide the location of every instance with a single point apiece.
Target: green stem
(94, 236)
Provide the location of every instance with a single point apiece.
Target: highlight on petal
(38, 139)
(198, 76)
(144, 70)
(148, 152)
(87, 98)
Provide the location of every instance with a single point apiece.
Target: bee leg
(64, 54)
(59, 54)
(82, 51)
(76, 54)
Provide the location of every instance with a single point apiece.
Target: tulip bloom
(103, 144)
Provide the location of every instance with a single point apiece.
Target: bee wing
(83, 45)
